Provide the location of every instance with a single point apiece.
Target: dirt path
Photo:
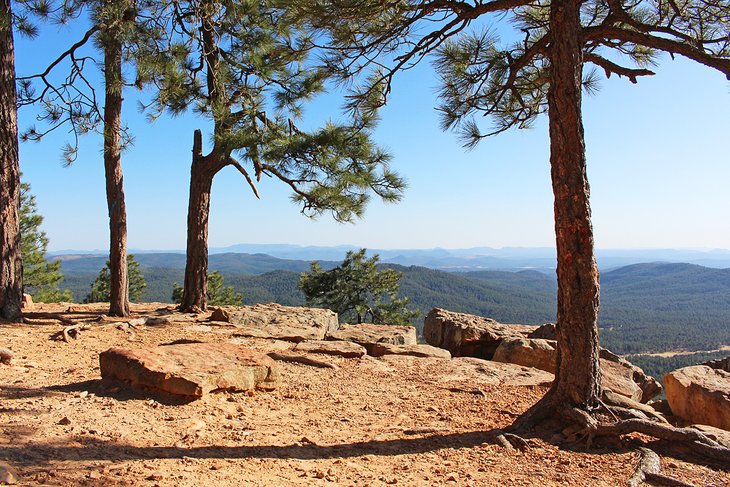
(371, 422)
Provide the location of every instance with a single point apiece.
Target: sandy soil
(371, 422)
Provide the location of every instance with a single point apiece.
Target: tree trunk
(11, 268)
(578, 377)
(119, 283)
(196, 266)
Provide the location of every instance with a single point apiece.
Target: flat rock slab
(472, 371)
(700, 394)
(280, 322)
(339, 348)
(190, 369)
(367, 334)
(380, 349)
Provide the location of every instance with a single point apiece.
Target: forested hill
(645, 307)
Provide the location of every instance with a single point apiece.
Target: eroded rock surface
(530, 352)
(700, 394)
(280, 322)
(340, 348)
(367, 334)
(466, 335)
(380, 349)
(189, 369)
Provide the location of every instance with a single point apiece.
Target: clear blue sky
(658, 164)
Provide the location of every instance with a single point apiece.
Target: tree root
(72, 331)
(302, 359)
(649, 469)
(511, 441)
(692, 438)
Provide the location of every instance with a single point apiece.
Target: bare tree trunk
(196, 266)
(119, 284)
(577, 380)
(11, 268)
(576, 389)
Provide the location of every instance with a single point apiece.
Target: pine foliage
(357, 291)
(100, 289)
(41, 278)
(218, 293)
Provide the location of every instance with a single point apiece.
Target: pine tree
(100, 289)
(510, 84)
(247, 69)
(41, 278)
(11, 270)
(357, 291)
(218, 293)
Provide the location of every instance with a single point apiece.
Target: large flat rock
(700, 394)
(189, 369)
(343, 349)
(280, 322)
(381, 349)
(368, 334)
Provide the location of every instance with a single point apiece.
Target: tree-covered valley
(645, 307)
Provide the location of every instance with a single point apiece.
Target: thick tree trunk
(11, 268)
(196, 267)
(578, 377)
(119, 284)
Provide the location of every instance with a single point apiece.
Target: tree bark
(578, 377)
(196, 265)
(119, 282)
(11, 268)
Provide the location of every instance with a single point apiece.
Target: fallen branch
(302, 359)
(649, 462)
(72, 331)
(511, 441)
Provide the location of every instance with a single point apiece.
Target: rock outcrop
(367, 335)
(340, 348)
(529, 352)
(189, 369)
(381, 349)
(465, 335)
(721, 364)
(280, 322)
(700, 394)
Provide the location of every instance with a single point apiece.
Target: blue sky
(658, 164)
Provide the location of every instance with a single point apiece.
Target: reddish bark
(118, 285)
(11, 268)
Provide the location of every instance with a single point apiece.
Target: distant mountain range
(478, 258)
(649, 307)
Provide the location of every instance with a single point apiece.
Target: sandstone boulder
(189, 369)
(340, 348)
(367, 334)
(530, 352)
(700, 394)
(27, 301)
(546, 332)
(465, 335)
(475, 372)
(619, 375)
(721, 363)
(380, 349)
(280, 322)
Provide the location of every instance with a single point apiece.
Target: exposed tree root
(649, 469)
(302, 359)
(511, 441)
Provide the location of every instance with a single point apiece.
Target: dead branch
(511, 441)
(302, 359)
(72, 331)
(649, 462)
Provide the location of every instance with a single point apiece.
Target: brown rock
(27, 301)
(530, 352)
(8, 475)
(619, 375)
(340, 348)
(190, 369)
(465, 335)
(6, 356)
(700, 394)
(476, 372)
(722, 364)
(367, 334)
(380, 349)
(280, 322)
(546, 332)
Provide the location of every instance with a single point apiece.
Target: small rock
(5, 356)
(452, 477)
(64, 421)
(8, 475)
